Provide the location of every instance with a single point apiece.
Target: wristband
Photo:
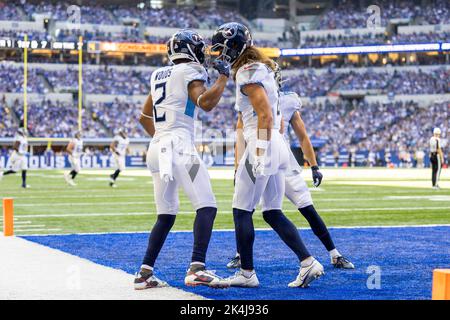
(198, 100)
(315, 168)
(146, 116)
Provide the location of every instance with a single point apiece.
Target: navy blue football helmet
(186, 44)
(230, 40)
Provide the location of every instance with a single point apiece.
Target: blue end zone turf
(405, 256)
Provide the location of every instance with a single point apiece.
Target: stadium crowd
(404, 82)
(408, 139)
(348, 14)
(8, 126)
(119, 114)
(421, 37)
(11, 80)
(311, 83)
(178, 17)
(62, 116)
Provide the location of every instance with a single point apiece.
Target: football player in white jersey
(119, 147)
(75, 150)
(261, 170)
(168, 116)
(296, 189)
(18, 159)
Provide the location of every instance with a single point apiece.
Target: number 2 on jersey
(161, 99)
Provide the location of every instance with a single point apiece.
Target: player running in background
(18, 159)
(436, 157)
(261, 170)
(168, 116)
(74, 150)
(119, 147)
(296, 189)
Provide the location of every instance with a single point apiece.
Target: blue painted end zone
(406, 257)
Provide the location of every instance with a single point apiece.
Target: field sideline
(348, 197)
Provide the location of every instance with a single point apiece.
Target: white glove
(258, 166)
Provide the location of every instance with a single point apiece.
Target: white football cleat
(69, 180)
(341, 262)
(145, 279)
(307, 275)
(198, 275)
(234, 263)
(240, 280)
(1, 175)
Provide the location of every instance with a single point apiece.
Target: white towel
(166, 158)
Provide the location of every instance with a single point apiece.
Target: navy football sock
(73, 173)
(9, 172)
(24, 177)
(318, 226)
(157, 237)
(287, 231)
(203, 226)
(245, 236)
(116, 174)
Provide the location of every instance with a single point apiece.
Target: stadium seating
(340, 123)
(119, 114)
(348, 14)
(57, 119)
(115, 15)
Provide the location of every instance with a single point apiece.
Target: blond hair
(251, 55)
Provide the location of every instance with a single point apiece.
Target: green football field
(52, 207)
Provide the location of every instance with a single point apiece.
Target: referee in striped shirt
(436, 157)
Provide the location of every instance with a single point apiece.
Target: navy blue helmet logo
(197, 38)
(229, 32)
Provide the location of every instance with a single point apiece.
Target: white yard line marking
(38, 226)
(86, 194)
(257, 229)
(16, 222)
(430, 198)
(115, 203)
(87, 204)
(37, 230)
(112, 214)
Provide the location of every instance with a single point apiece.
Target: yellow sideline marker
(441, 284)
(8, 217)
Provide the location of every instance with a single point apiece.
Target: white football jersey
(289, 103)
(434, 144)
(256, 73)
(122, 144)
(173, 111)
(23, 143)
(77, 147)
